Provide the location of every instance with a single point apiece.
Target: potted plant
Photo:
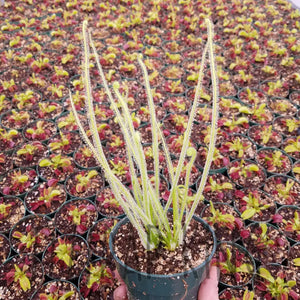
(66, 121)
(224, 219)
(234, 124)
(284, 189)
(273, 281)
(56, 166)
(146, 235)
(219, 163)
(39, 130)
(5, 104)
(64, 143)
(26, 100)
(98, 237)
(254, 205)
(4, 248)
(282, 107)
(265, 242)
(98, 280)
(28, 154)
(275, 88)
(18, 181)
(275, 161)
(32, 234)
(218, 188)
(75, 217)
(287, 125)
(107, 204)
(294, 258)
(246, 173)
(84, 158)
(46, 197)
(236, 264)
(84, 183)
(12, 209)
(291, 146)
(296, 170)
(48, 110)
(6, 162)
(57, 289)
(16, 119)
(21, 276)
(236, 293)
(10, 139)
(238, 147)
(265, 136)
(287, 218)
(252, 96)
(66, 257)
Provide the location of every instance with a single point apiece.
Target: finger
(117, 275)
(209, 287)
(120, 293)
(214, 274)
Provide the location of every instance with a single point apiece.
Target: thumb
(120, 293)
(209, 287)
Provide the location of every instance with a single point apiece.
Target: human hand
(208, 288)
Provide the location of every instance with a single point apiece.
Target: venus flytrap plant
(63, 252)
(267, 132)
(276, 287)
(251, 205)
(21, 275)
(231, 262)
(220, 218)
(143, 208)
(84, 181)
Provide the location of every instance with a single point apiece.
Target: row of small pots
(71, 276)
(34, 233)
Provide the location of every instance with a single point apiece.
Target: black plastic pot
(101, 291)
(264, 163)
(291, 235)
(34, 272)
(60, 287)
(144, 286)
(224, 233)
(241, 250)
(56, 270)
(24, 226)
(68, 225)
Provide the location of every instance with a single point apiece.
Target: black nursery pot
(38, 230)
(59, 289)
(248, 258)
(144, 286)
(34, 272)
(55, 268)
(103, 287)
